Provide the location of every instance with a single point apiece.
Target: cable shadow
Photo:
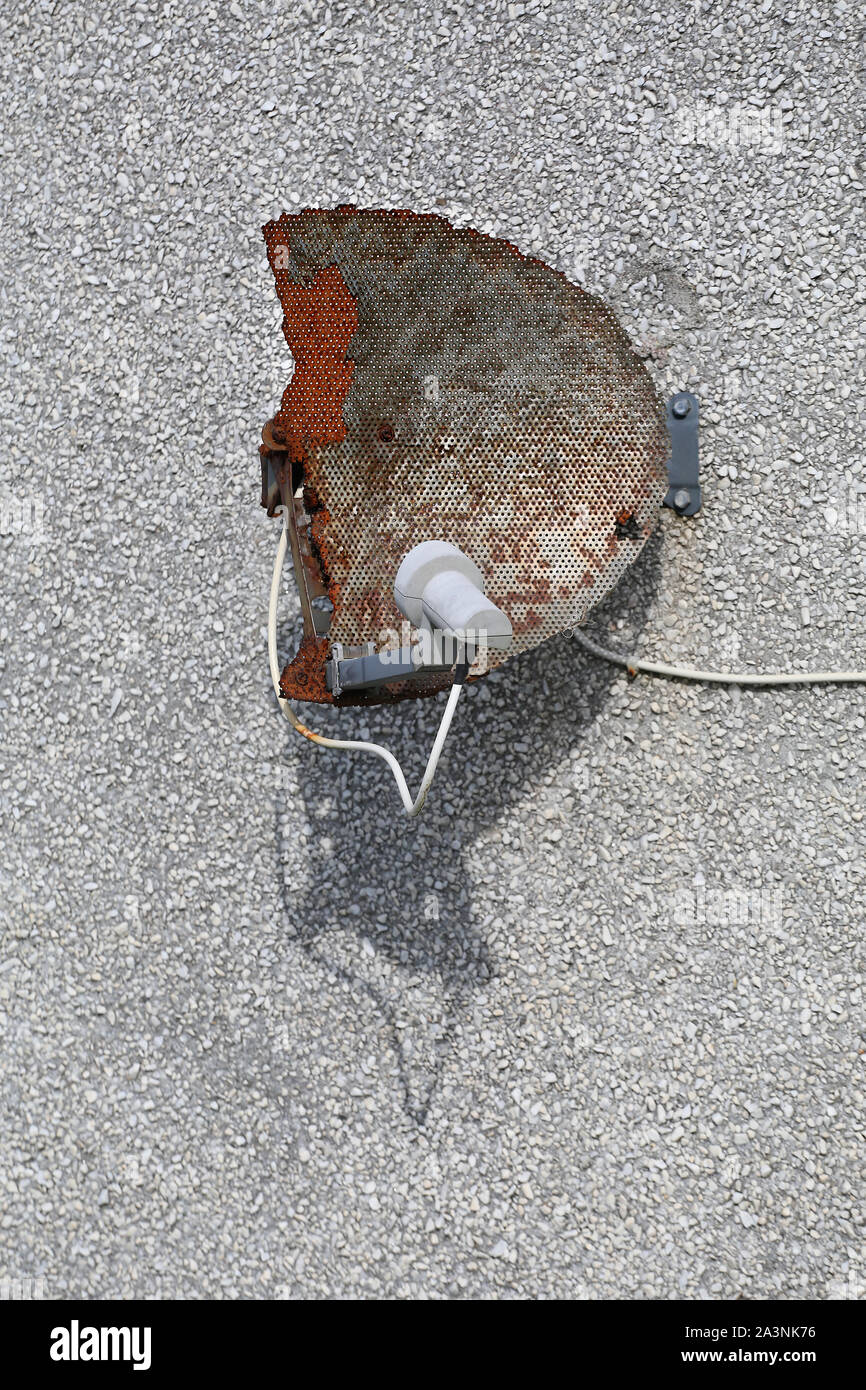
(403, 888)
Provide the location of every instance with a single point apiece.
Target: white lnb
(439, 587)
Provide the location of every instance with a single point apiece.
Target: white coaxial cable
(633, 664)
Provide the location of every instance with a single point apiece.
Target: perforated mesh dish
(447, 387)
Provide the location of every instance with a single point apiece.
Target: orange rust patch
(319, 324)
(304, 677)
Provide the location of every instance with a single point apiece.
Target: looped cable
(411, 807)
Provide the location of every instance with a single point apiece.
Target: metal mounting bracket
(684, 490)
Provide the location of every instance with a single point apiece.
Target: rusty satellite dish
(447, 387)
(453, 399)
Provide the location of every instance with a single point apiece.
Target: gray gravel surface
(594, 1026)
